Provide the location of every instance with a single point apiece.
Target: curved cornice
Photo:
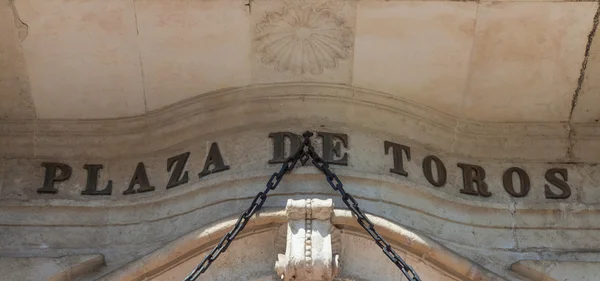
(306, 105)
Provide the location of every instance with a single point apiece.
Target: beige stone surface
(82, 58)
(249, 258)
(585, 146)
(66, 268)
(526, 60)
(1, 175)
(17, 138)
(418, 51)
(15, 97)
(189, 48)
(372, 264)
(544, 270)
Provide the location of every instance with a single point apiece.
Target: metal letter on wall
(279, 155)
(507, 181)
(91, 188)
(397, 150)
(215, 159)
(551, 177)
(332, 148)
(140, 177)
(176, 178)
(440, 169)
(51, 177)
(473, 174)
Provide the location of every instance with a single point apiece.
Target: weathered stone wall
(494, 84)
(494, 231)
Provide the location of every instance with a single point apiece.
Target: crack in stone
(580, 81)
(137, 30)
(22, 27)
(512, 209)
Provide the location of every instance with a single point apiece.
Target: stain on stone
(22, 28)
(248, 6)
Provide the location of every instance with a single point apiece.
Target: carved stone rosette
(312, 243)
(303, 39)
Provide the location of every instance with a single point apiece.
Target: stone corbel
(311, 243)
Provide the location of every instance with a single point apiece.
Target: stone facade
(443, 231)
(133, 134)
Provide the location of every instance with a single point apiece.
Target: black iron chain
(362, 219)
(255, 206)
(302, 154)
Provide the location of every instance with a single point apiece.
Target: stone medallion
(303, 39)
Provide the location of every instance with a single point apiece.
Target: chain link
(304, 152)
(255, 206)
(362, 219)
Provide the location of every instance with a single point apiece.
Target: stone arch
(252, 255)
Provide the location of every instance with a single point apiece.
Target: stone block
(418, 51)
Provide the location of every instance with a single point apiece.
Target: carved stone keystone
(312, 243)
